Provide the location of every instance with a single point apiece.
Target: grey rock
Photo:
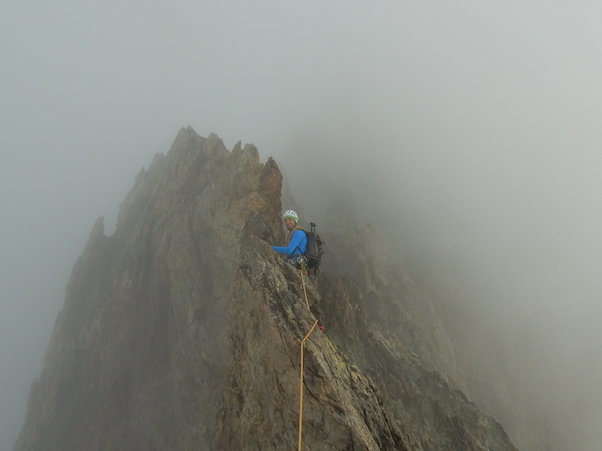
(182, 330)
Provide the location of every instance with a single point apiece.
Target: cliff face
(181, 330)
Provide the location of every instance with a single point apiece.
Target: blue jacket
(296, 245)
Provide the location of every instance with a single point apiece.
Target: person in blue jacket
(295, 248)
(296, 241)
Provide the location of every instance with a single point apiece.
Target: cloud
(476, 125)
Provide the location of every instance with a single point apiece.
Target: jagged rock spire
(180, 331)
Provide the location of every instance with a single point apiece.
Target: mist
(470, 132)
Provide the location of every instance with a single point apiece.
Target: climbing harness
(301, 364)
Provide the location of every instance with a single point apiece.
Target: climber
(295, 250)
(296, 241)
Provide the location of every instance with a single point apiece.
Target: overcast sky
(482, 120)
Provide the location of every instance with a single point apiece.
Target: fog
(471, 128)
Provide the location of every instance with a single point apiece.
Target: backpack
(314, 251)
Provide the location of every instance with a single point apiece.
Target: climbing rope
(301, 369)
(301, 385)
(301, 270)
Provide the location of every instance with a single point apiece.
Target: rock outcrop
(181, 331)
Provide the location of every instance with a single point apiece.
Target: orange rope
(301, 385)
(303, 285)
(301, 368)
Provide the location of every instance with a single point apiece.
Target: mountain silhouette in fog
(181, 330)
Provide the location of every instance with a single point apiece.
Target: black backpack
(314, 251)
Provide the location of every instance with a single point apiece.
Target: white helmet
(291, 214)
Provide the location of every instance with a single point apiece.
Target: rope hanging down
(301, 270)
(301, 367)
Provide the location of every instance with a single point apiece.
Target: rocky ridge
(182, 330)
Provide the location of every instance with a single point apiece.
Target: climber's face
(290, 223)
